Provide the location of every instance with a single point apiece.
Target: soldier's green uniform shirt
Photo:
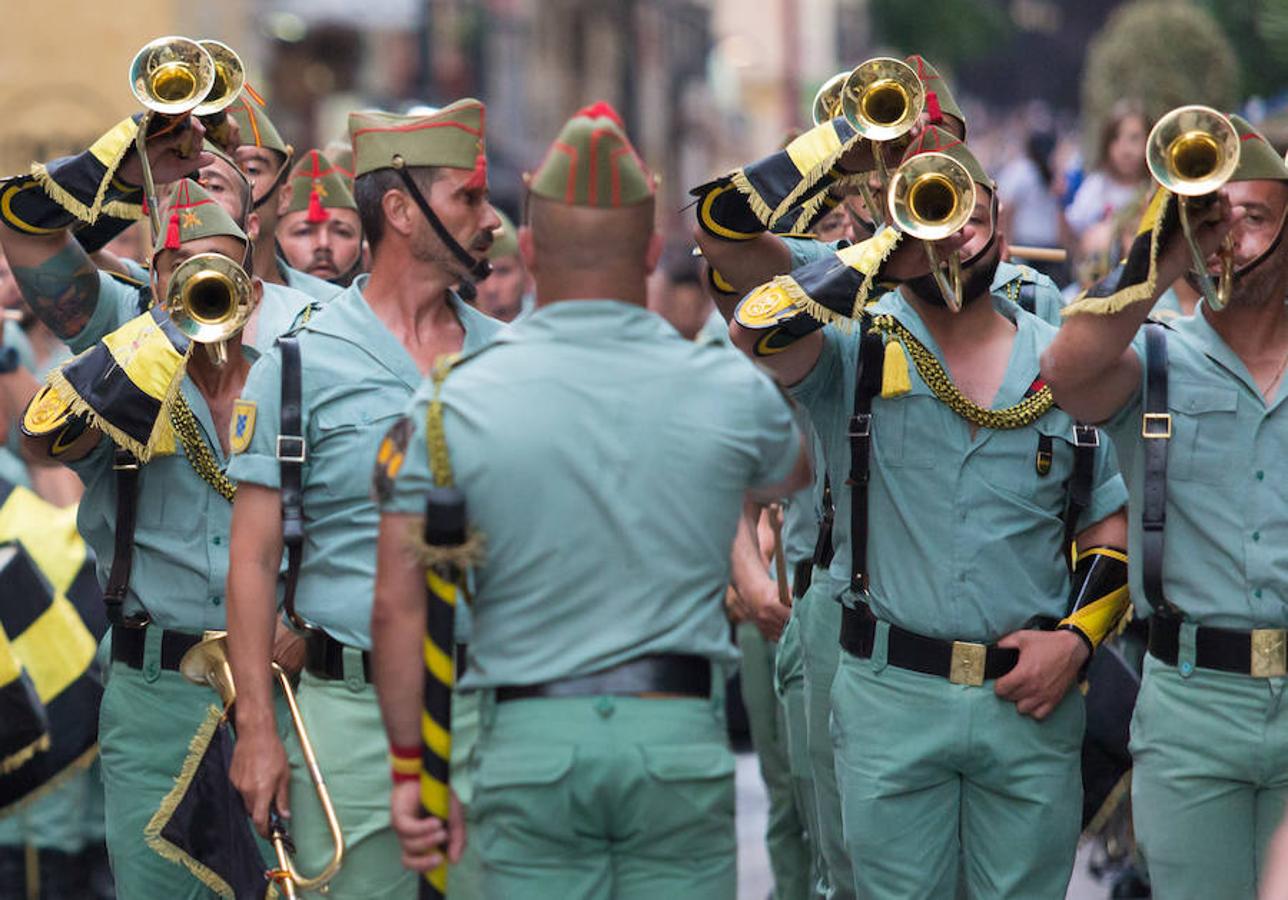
(181, 543)
(357, 381)
(1047, 299)
(581, 387)
(972, 505)
(1225, 551)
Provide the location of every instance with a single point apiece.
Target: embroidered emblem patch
(242, 426)
(389, 459)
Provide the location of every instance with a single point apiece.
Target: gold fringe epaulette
(160, 442)
(1155, 215)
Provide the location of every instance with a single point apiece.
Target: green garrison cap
(1258, 161)
(451, 137)
(505, 239)
(192, 215)
(341, 155)
(316, 186)
(256, 128)
(939, 97)
(936, 140)
(592, 163)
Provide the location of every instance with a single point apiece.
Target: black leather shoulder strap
(1156, 432)
(126, 468)
(1028, 299)
(1086, 441)
(291, 453)
(823, 549)
(867, 384)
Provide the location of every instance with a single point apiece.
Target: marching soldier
(421, 192)
(318, 229)
(602, 769)
(956, 732)
(149, 445)
(266, 160)
(1196, 411)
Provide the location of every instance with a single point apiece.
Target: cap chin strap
(282, 174)
(475, 269)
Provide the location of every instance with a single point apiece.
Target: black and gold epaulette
(127, 280)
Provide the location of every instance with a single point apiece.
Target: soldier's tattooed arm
(57, 278)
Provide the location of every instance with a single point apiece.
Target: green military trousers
(1210, 777)
(789, 685)
(147, 720)
(820, 633)
(604, 798)
(785, 835)
(939, 778)
(343, 721)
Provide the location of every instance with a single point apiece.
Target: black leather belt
(128, 646)
(662, 673)
(961, 662)
(1262, 652)
(326, 658)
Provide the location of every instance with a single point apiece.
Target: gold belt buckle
(1269, 652)
(968, 663)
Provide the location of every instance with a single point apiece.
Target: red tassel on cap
(933, 112)
(478, 180)
(317, 212)
(602, 109)
(172, 233)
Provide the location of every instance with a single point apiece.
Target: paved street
(754, 880)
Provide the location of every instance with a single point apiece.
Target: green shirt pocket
(906, 429)
(1203, 419)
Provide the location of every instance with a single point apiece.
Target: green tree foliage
(950, 32)
(1165, 53)
(1258, 29)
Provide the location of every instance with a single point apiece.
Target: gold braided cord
(203, 462)
(1021, 415)
(440, 461)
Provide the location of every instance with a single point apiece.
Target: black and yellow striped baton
(444, 528)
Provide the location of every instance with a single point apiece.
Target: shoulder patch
(242, 425)
(389, 459)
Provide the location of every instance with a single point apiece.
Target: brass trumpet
(173, 77)
(1192, 152)
(882, 100)
(932, 196)
(207, 663)
(209, 299)
(827, 102)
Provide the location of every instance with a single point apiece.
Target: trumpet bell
(207, 663)
(230, 76)
(931, 196)
(210, 298)
(172, 75)
(827, 102)
(882, 99)
(1192, 151)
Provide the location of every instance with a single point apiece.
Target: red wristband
(404, 763)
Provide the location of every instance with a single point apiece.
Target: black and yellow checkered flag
(51, 620)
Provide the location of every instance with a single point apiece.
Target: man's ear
(397, 207)
(527, 249)
(284, 198)
(252, 227)
(654, 252)
(257, 292)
